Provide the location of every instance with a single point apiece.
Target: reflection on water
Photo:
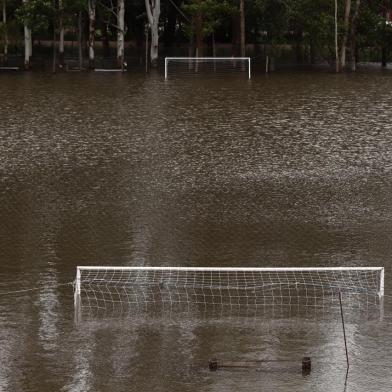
(286, 170)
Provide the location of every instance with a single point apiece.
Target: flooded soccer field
(285, 170)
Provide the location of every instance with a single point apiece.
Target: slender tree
(242, 28)
(346, 31)
(120, 32)
(91, 31)
(353, 36)
(113, 15)
(337, 60)
(384, 45)
(27, 43)
(198, 24)
(80, 39)
(37, 16)
(61, 33)
(5, 32)
(153, 8)
(54, 63)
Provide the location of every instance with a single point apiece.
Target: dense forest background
(119, 33)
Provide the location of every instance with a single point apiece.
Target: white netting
(198, 289)
(207, 67)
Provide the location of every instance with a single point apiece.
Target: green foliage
(373, 28)
(315, 21)
(36, 14)
(213, 12)
(13, 31)
(273, 17)
(311, 22)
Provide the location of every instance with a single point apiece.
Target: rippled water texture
(293, 169)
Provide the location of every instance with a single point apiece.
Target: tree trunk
(213, 45)
(337, 66)
(146, 32)
(120, 33)
(80, 38)
(54, 41)
(191, 50)
(5, 31)
(153, 8)
(384, 45)
(91, 33)
(353, 37)
(27, 45)
(198, 22)
(105, 41)
(61, 35)
(346, 23)
(154, 46)
(242, 28)
(54, 60)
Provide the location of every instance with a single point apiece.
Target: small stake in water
(213, 364)
(306, 365)
(344, 329)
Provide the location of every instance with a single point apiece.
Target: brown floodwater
(290, 169)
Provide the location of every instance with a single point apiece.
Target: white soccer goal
(205, 66)
(138, 288)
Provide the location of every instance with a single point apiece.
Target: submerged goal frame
(202, 59)
(77, 292)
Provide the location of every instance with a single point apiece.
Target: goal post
(77, 285)
(103, 288)
(242, 64)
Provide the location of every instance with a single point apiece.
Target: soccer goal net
(187, 288)
(207, 66)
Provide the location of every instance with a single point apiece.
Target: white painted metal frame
(202, 59)
(77, 287)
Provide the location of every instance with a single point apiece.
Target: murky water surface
(294, 169)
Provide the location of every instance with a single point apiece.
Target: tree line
(332, 30)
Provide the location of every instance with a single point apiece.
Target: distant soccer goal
(197, 288)
(207, 66)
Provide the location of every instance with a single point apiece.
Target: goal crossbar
(256, 269)
(207, 59)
